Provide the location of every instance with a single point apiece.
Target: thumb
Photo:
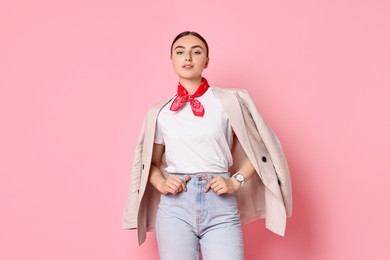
(206, 189)
(186, 179)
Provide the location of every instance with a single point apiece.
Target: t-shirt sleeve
(158, 137)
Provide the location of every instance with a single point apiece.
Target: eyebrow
(193, 47)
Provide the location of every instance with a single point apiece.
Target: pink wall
(77, 77)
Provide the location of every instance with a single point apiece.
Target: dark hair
(194, 34)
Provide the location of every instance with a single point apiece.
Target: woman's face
(189, 57)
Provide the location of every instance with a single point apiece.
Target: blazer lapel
(150, 129)
(232, 108)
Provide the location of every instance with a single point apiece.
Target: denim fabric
(194, 218)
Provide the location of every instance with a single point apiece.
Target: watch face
(240, 178)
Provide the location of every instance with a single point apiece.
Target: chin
(190, 76)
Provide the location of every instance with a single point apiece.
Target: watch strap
(240, 181)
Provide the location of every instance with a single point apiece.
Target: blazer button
(143, 166)
(264, 159)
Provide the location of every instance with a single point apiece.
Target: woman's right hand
(173, 185)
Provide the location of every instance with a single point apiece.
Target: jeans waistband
(198, 173)
(202, 175)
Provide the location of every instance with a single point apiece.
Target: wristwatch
(240, 178)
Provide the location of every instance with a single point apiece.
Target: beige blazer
(266, 195)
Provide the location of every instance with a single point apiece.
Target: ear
(207, 63)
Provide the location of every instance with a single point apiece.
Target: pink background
(77, 77)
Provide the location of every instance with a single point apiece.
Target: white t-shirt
(196, 144)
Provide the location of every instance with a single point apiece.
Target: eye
(197, 52)
(179, 52)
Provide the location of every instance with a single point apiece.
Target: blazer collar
(232, 106)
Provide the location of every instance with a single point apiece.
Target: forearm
(247, 170)
(156, 178)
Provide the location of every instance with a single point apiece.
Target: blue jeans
(195, 218)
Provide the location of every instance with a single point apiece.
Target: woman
(206, 162)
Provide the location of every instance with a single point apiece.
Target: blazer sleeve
(130, 214)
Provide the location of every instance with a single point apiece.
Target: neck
(191, 85)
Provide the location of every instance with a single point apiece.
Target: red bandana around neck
(183, 96)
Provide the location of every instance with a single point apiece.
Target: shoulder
(229, 90)
(239, 93)
(159, 105)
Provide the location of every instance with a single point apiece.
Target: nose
(188, 56)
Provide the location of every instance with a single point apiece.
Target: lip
(187, 66)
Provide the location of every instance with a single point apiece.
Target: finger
(176, 181)
(183, 184)
(218, 191)
(186, 179)
(217, 183)
(179, 183)
(206, 189)
(221, 191)
(171, 190)
(220, 185)
(171, 185)
(219, 178)
(216, 187)
(213, 186)
(208, 186)
(174, 186)
(178, 189)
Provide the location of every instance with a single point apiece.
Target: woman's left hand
(220, 185)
